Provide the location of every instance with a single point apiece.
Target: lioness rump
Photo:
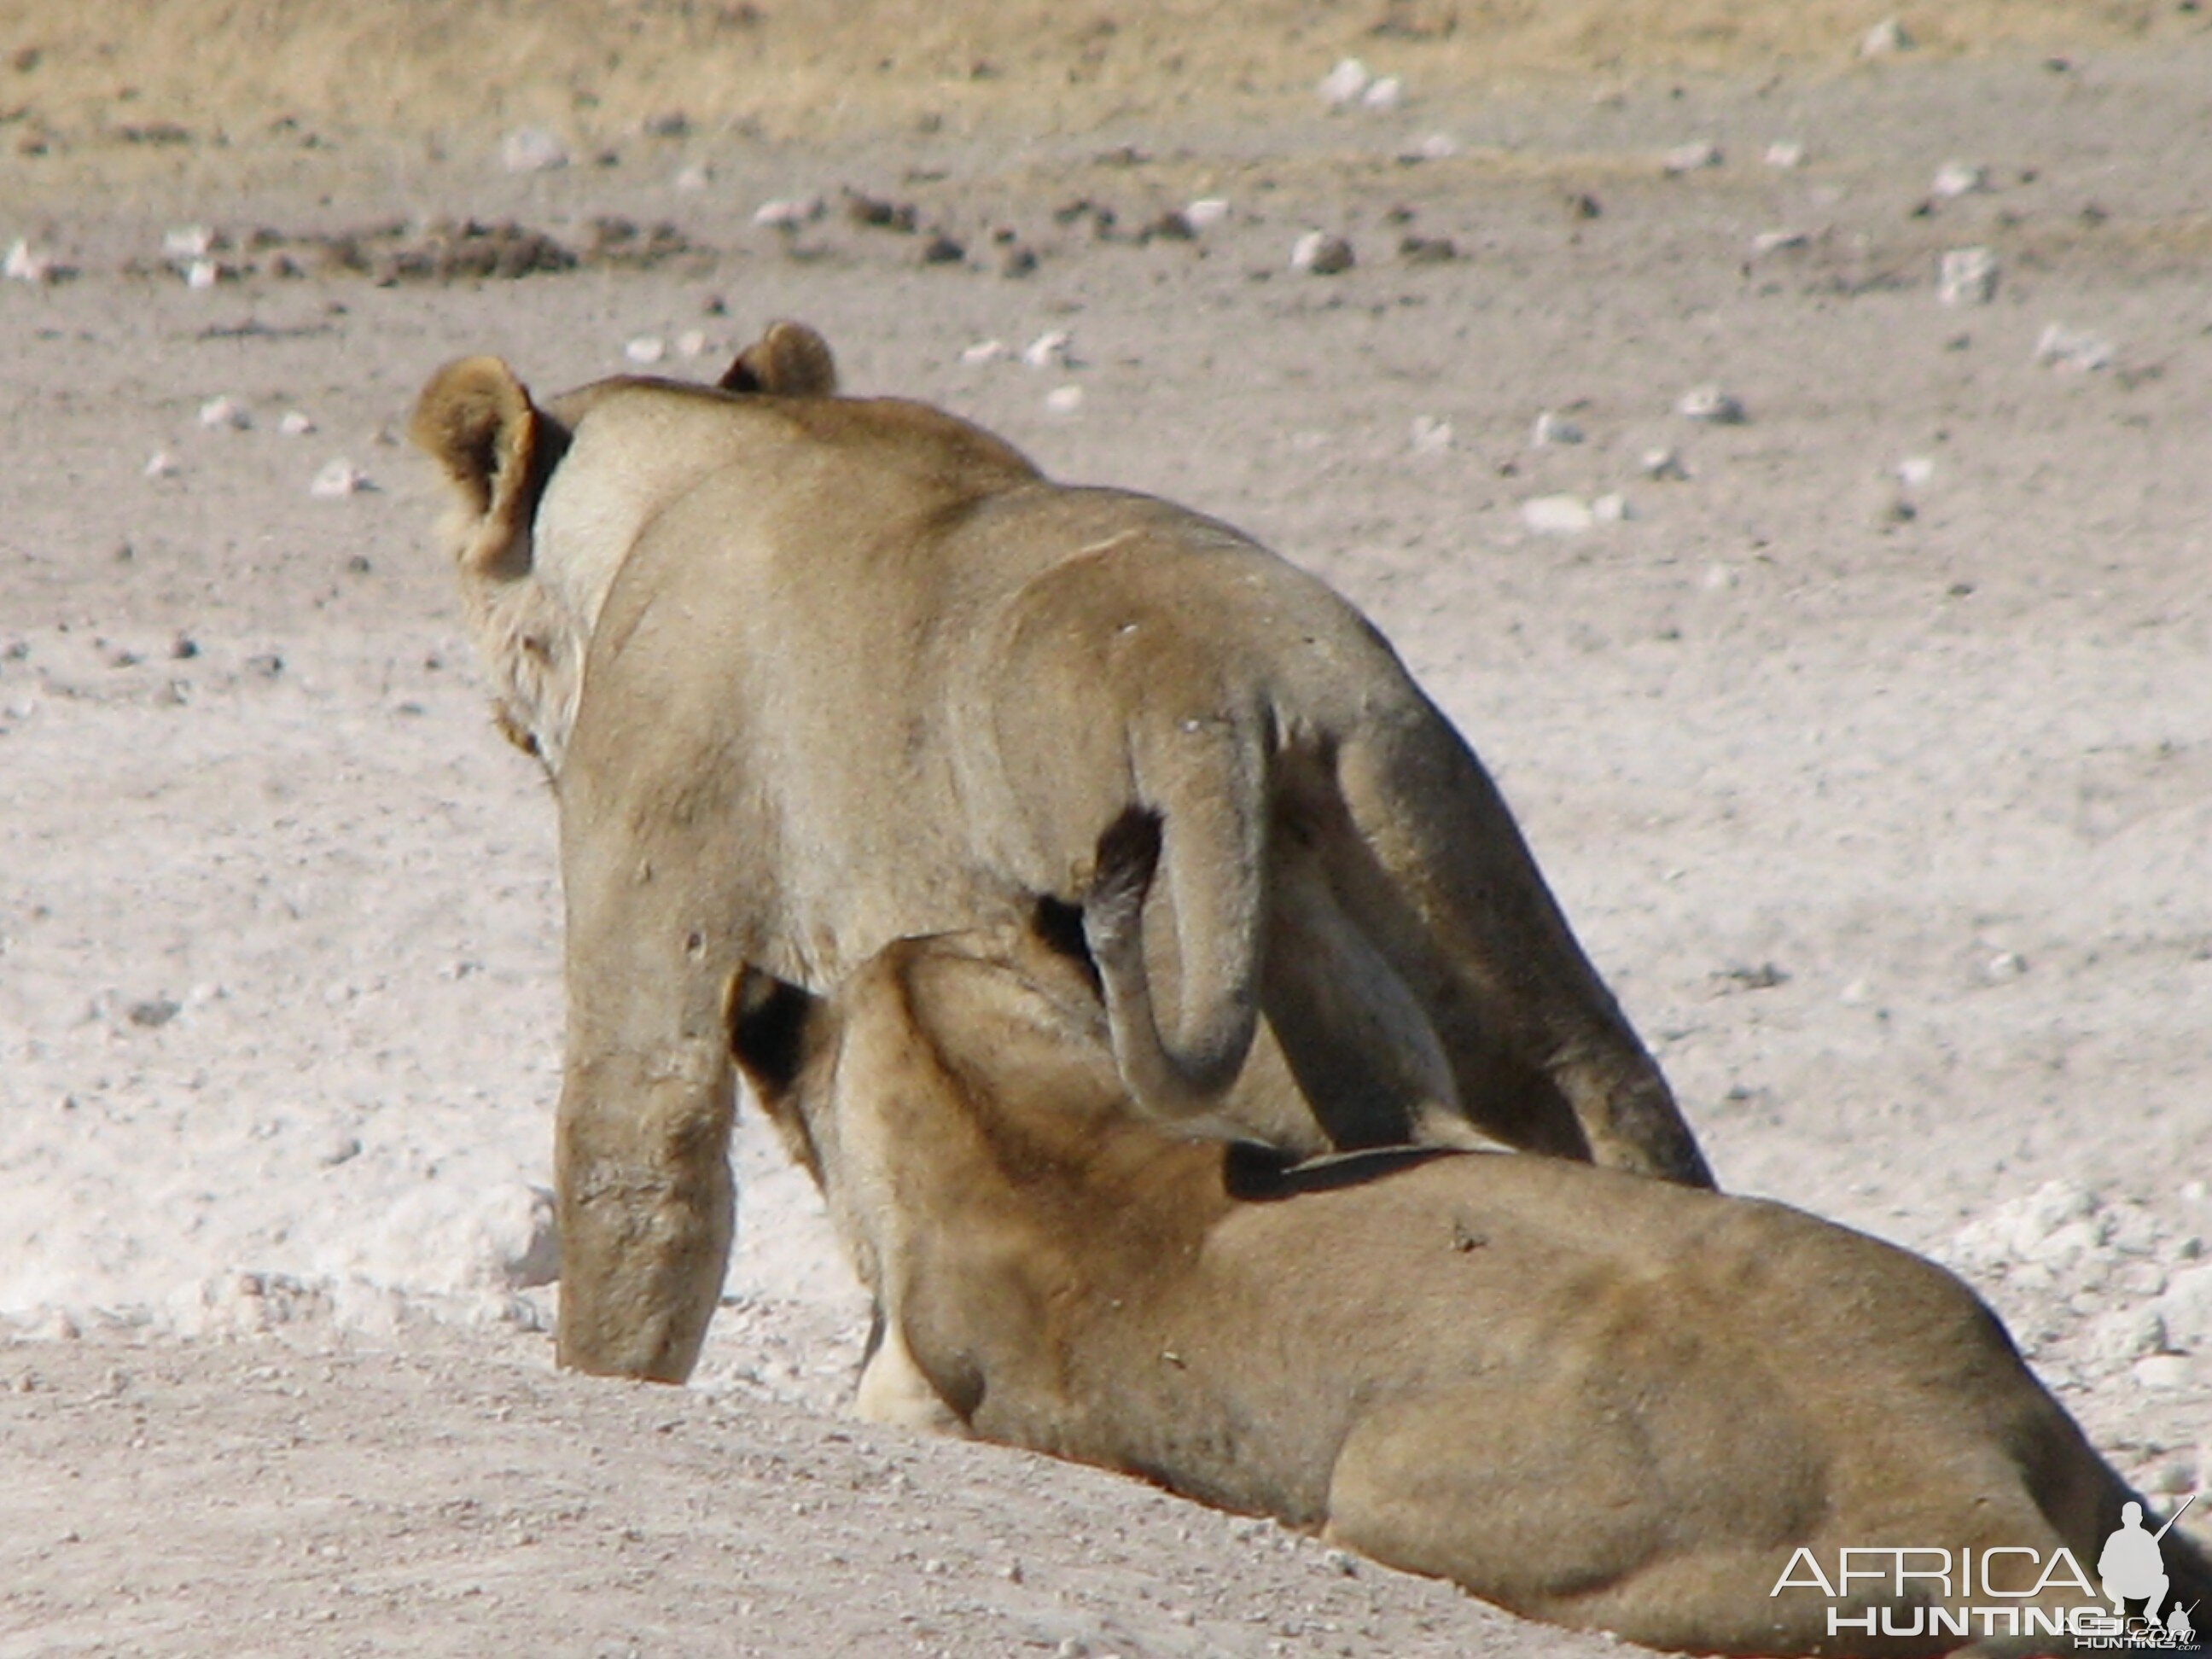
(1587, 1396)
(812, 673)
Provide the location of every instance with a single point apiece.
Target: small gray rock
(1321, 254)
(532, 149)
(1709, 403)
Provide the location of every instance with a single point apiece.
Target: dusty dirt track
(1873, 758)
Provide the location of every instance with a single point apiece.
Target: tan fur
(1589, 1397)
(811, 673)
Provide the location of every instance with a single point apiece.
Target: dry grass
(788, 67)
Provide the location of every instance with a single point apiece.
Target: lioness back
(972, 644)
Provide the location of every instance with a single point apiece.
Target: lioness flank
(1590, 1398)
(812, 673)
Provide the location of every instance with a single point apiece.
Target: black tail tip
(1128, 853)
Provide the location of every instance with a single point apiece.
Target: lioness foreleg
(642, 1150)
(646, 1208)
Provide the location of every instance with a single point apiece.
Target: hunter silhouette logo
(2131, 1569)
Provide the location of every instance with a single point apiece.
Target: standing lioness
(812, 673)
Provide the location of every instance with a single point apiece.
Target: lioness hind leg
(1356, 1039)
(1498, 1486)
(1435, 871)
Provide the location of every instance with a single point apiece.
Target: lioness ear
(790, 360)
(770, 1022)
(477, 421)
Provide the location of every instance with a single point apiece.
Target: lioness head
(499, 448)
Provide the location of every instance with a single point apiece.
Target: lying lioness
(1587, 1396)
(812, 673)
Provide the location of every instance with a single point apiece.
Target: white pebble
(1884, 38)
(2163, 1371)
(2126, 1335)
(2065, 1246)
(2140, 1277)
(2175, 1476)
(1709, 403)
(1785, 153)
(1967, 276)
(646, 349)
(2057, 1204)
(1692, 157)
(188, 242)
(532, 149)
(1053, 350)
(1718, 579)
(336, 480)
(788, 212)
(2031, 1238)
(1205, 211)
(2006, 965)
(1346, 83)
(202, 274)
(2135, 1231)
(163, 464)
(1915, 470)
(1385, 94)
(225, 412)
(1430, 436)
(296, 423)
(1663, 463)
(1063, 399)
(1321, 254)
(1436, 147)
(1955, 178)
(1613, 507)
(691, 343)
(1552, 429)
(2187, 1308)
(1776, 242)
(2074, 349)
(26, 264)
(986, 352)
(524, 1237)
(693, 178)
(1556, 516)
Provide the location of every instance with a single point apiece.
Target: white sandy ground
(1886, 806)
